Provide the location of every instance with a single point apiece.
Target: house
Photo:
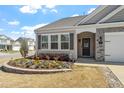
(17, 43)
(16, 46)
(5, 43)
(99, 35)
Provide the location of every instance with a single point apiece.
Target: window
(3, 41)
(54, 41)
(65, 41)
(44, 42)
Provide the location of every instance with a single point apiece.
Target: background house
(17, 43)
(5, 43)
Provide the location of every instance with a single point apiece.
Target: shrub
(24, 48)
(52, 56)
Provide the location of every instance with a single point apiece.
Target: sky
(20, 21)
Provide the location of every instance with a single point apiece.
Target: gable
(101, 14)
(119, 17)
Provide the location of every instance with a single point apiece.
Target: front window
(44, 42)
(3, 41)
(54, 41)
(65, 41)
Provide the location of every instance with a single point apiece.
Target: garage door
(114, 46)
(16, 48)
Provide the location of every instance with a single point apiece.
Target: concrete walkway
(116, 68)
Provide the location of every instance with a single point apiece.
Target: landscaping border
(112, 79)
(18, 70)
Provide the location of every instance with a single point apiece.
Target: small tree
(24, 48)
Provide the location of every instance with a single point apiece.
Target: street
(7, 56)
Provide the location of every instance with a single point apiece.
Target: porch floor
(85, 60)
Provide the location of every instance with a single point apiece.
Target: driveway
(118, 70)
(7, 56)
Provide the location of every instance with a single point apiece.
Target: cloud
(51, 8)
(32, 9)
(54, 10)
(15, 32)
(91, 10)
(28, 31)
(33, 27)
(75, 15)
(14, 22)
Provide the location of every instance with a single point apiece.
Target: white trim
(99, 9)
(114, 33)
(65, 41)
(59, 42)
(93, 30)
(103, 25)
(83, 46)
(36, 44)
(83, 27)
(111, 14)
(54, 41)
(45, 42)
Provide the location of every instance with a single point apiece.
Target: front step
(85, 60)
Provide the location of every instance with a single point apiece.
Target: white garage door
(114, 46)
(16, 48)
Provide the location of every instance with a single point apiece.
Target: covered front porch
(86, 43)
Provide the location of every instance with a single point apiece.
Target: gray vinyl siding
(119, 17)
(101, 14)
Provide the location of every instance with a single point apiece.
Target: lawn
(81, 76)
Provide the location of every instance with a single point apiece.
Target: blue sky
(16, 21)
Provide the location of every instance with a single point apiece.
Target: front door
(86, 46)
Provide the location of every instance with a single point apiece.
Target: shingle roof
(5, 37)
(65, 22)
(24, 38)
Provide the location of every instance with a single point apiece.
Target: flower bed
(29, 66)
(39, 64)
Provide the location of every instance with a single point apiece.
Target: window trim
(65, 41)
(45, 42)
(54, 41)
(59, 41)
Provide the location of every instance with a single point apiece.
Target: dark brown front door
(86, 46)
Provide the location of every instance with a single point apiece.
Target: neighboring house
(99, 35)
(16, 46)
(5, 43)
(17, 43)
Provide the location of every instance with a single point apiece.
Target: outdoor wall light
(100, 40)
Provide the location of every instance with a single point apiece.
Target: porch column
(36, 44)
(75, 45)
